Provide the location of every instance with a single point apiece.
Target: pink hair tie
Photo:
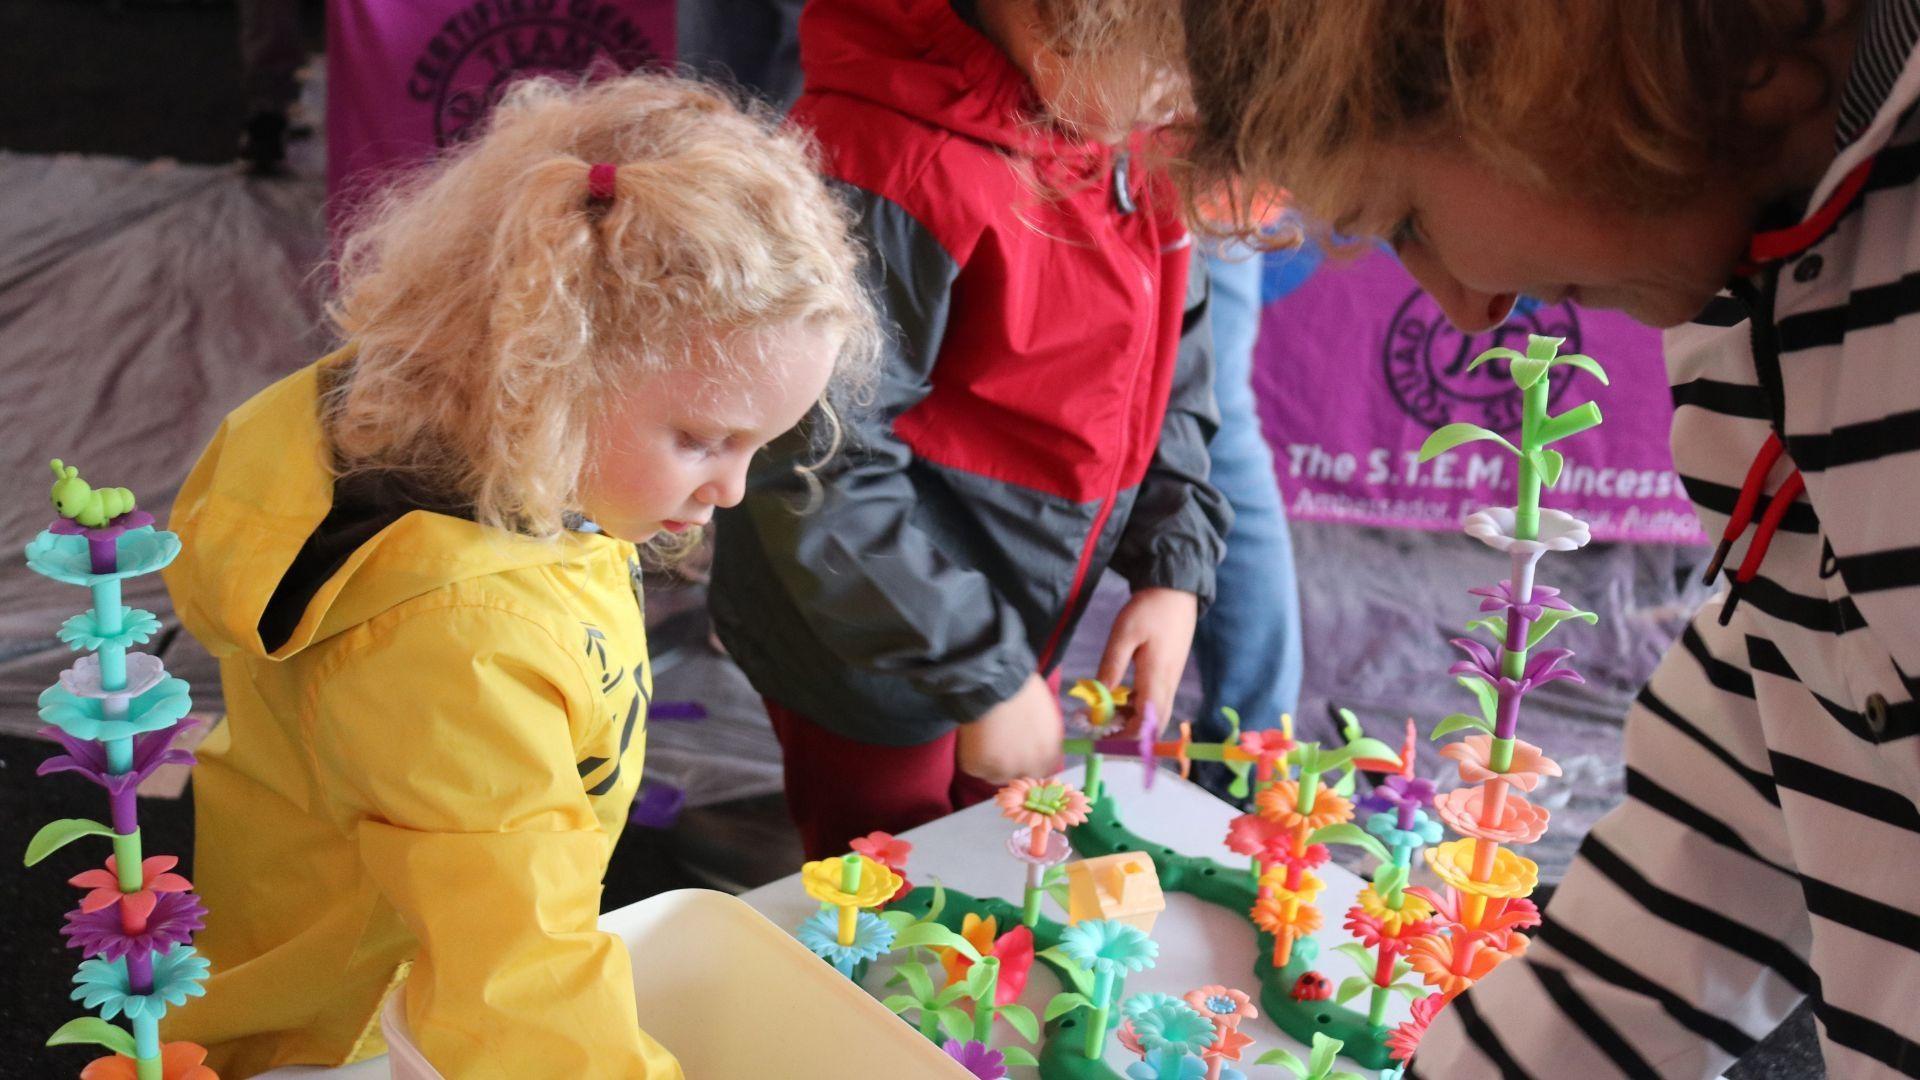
(600, 182)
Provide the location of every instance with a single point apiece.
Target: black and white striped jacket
(1769, 847)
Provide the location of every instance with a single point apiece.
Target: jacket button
(1877, 714)
(1808, 268)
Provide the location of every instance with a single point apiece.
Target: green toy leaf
(958, 1024)
(1452, 435)
(1585, 363)
(1352, 987)
(1388, 878)
(1549, 462)
(1400, 967)
(1486, 695)
(981, 978)
(937, 904)
(1357, 953)
(1553, 617)
(951, 994)
(1349, 724)
(1459, 722)
(1413, 991)
(1062, 1004)
(915, 974)
(1527, 370)
(1022, 1020)
(1497, 353)
(1326, 1050)
(1570, 423)
(1014, 1055)
(1348, 833)
(1342, 1074)
(930, 934)
(92, 1029)
(899, 920)
(1080, 977)
(1233, 722)
(1495, 625)
(1238, 788)
(900, 1003)
(55, 835)
(1285, 1060)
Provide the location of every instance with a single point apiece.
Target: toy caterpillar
(90, 506)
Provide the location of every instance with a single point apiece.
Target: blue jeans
(1247, 645)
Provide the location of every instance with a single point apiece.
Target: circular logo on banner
(487, 45)
(1426, 363)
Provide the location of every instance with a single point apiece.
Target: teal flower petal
(872, 937)
(1109, 945)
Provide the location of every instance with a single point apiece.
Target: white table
(1200, 943)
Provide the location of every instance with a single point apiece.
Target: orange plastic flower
(178, 1061)
(1520, 822)
(1280, 803)
(1475, 755)
(1030, 802)
(1513, 875)
(1227, 1043)
(1450, 971)
(979, 933)
(1270, 914)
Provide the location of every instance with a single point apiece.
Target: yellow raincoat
(430, 773)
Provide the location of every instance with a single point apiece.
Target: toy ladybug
(1312, 986)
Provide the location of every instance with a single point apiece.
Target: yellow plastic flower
(1412, 910)
(1279, 802)
(822, 882)
(1276, 881)
(1513, 875)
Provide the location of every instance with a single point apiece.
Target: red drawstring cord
(1790, 491)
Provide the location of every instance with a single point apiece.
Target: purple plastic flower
(89, 758)
(1397, 793)
(1542, 668)
(977, 1058)
(1501, 596)
(175, 918)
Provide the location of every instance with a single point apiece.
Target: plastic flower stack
(1484, 904)
(116, 714)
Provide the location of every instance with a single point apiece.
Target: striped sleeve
(1679, 936)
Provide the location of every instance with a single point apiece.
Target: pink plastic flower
(1406, 1038)
(889, 851)
(1251, 834)
(105, 885)
(1129, 1039)
(1500, 916)
(1475, 755)
(1520, 822)
(1051, 803)
(1223, 1005)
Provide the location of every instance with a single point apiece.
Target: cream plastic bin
(694, 947)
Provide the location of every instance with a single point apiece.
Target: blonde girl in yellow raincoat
(416, 562)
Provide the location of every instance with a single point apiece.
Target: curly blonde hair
(492, 302)
(1630, 103)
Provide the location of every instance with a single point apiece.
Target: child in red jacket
(1043, 415)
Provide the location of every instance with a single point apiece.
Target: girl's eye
(1407, 231)
(694, 444)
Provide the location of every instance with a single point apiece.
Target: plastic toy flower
(822, 881)
(1394, 924)
(1014, 950)
(1543, 667)
(889, 851)
(1034, 803)
(1251, 834)
(105, 885)
(1512, 875)
(1171, 1026)
(1498, 597)
(1312, 986)
(1401, 794)
(1270, 914)
(1227, 1043)
(1269, 747)
(1184, 1068)
(1312, 857)
(1386, 826)
(104, 984)
(984, 1062)
(1279, 802)
(1501, 915)
(1126, 1038)
(872, 937)
(178, 1061)
(1109, 945)
(173, 920)
(1450, 967)
(1406, 1038)
(1559, 531)
(1223, 1004)
(1475, 755)
(979, 933)
(1103, 705)
(1519, 822)
(89, 758)
(160, 706)
(1275, 882)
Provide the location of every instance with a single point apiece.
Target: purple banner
(1356, 365)
(408, 77)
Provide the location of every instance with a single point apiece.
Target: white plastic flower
(1559, 531)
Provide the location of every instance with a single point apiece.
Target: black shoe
(263, 145)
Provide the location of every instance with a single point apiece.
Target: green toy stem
(146, 1047)
(1533, 414)
(1309, 790)
(983, 1007)
(126, 861)
(1102, 1002)
(1092, 784)
(1030, 911)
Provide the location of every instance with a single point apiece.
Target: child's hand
(1018, 737)
(1152, 634)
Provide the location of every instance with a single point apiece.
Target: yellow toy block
(1124, 887)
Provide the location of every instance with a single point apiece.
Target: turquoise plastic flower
(83, 631)
(1134, 1006)
(1173, 1026)
(177, 974)
(1189, 1068)
(64, 558)
(1108, 945)
(1386, 826)
(872, 937)
(86, 718)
